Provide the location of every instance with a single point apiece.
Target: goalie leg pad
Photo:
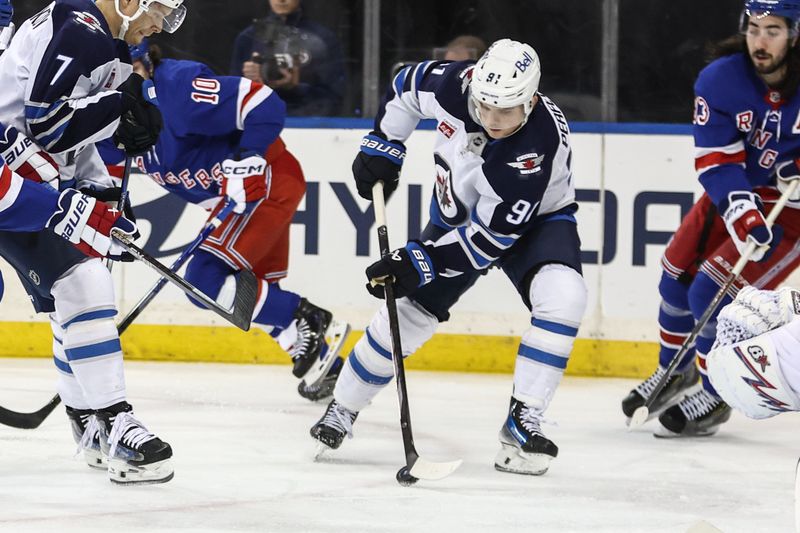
(749, 377)
(369, 367)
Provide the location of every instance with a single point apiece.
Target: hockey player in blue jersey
(221, 137)
(67, 83)
(504, 197)
(747, 142)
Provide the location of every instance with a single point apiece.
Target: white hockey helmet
(171, 22)
(507, 75)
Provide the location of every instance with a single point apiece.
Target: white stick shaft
(378, 202)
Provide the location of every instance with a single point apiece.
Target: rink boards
(633, 189)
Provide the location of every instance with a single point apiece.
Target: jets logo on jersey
(88, 20)
(451, 208)
(528, 163)
(446, 129)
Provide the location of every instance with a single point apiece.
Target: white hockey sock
(369, 367)
(94, 353)
(68, 388)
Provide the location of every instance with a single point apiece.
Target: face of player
(141, 70)
(283, 8)
(500, 122)
(768, 42)
(146, 24)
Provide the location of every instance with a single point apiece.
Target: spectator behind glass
(299, 58)
(461, 48)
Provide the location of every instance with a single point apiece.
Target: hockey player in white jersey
(755, 363)
(67, 83)
(504, 197)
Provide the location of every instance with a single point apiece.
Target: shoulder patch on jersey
(89, 21)
(446, 128)
(528, 163)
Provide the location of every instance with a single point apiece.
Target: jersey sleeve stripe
(477, 257)
(501, 241)
(732, 148)
(400, 81)
(715, 159)
(251, 94)
(10, 187)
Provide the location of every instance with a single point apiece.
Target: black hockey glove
(141, 122)
(378, 160)
(411, 267)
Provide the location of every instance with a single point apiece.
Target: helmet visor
(169, 18)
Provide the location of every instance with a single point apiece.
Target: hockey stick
(123, 196)
(642, 414)
(212, 225)
(28, 420)
(246, 286)
(416, 467)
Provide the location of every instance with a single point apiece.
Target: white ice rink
(243, 462)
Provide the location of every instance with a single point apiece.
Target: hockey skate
(323, 388)
(135, 456)
(679, 385)
(86, 433)
(312, 322)
(523, 447)
(335, 424)
(698, 415)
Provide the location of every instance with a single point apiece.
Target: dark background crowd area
(661, 44)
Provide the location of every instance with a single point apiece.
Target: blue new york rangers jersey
(207, 119)
(742, 128)
(488, 192)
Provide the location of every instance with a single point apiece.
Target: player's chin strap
(126, 20)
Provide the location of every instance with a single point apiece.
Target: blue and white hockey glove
(245, 181)
(6, 13)
(87, 223)
(743, 214)
(26, 158)
(378, 160)
(411, 267)
(785, 173)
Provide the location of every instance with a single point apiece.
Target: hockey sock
(68, 388)
(675, 321)
(277, 307)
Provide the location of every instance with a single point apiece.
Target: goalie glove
(87, 223)
(743, 213)
(245, 181)
(411, 267)
(24, 157)
(754, 312)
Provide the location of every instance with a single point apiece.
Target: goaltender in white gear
(755, 366)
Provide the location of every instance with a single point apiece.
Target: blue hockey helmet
(788, 9)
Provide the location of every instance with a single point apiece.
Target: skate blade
(122, 473)
(335, 337)
(95, 459)
(431, 471)
(322, 452)
(703, 527)
(513, 460)
(663, 433)
(642, 415)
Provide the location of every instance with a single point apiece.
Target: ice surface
(243, 462)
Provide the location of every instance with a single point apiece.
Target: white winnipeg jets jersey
(59, 76)
(488, 191)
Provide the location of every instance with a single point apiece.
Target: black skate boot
(322, 389)
(698, 415)
(523, 447)
(312, 323)
(86, 433)
(679, 385)
(135, 456)
(335, 424)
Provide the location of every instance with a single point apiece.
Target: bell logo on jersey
(528, 163)
(88, 20)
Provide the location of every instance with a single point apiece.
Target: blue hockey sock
(278, 309)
